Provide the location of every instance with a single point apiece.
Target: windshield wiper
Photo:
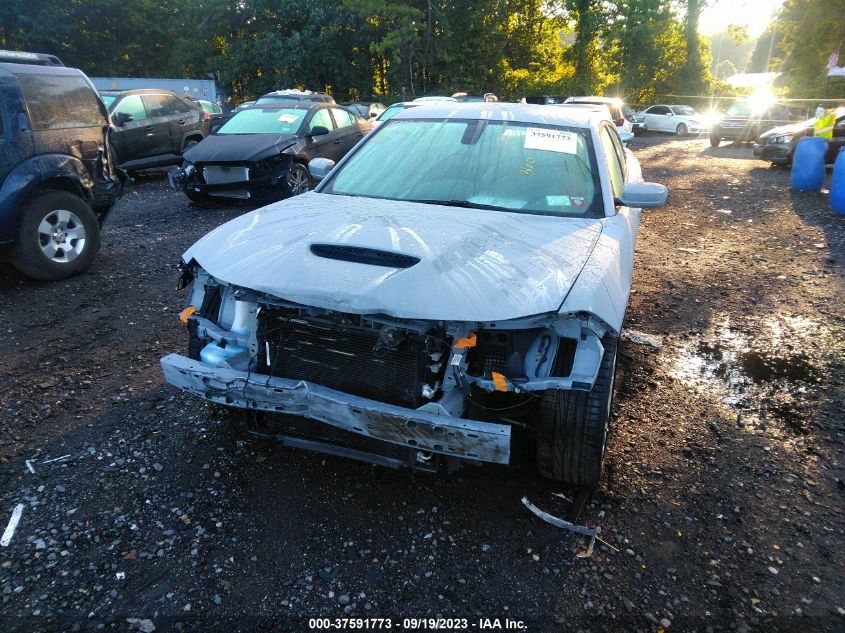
(466, 204)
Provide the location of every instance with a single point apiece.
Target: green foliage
(733, 45)
(360, 48)
(811, 30)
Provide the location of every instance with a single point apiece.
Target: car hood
(474, 265)
(225, 148)
(788, 129)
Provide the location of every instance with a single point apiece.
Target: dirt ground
(723, 490)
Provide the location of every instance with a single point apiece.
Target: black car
(58, 181)
(213, 112)
(153, 127)
(366, 109)
(743, 122)
(778, 144)
(263, 151)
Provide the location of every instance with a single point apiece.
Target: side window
(321, 118)
(611, 157)
(343, 118)
(158, 105)
(659, 110)
(60, 102)
(178, 105)
(133, 106)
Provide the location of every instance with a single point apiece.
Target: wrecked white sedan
(461, 274)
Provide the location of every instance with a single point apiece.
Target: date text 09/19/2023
(417, 624)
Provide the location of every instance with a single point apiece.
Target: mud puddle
(767, 372)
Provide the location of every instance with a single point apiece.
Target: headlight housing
(780, 139)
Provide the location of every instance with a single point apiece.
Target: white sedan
(677, 119)
(464, 269)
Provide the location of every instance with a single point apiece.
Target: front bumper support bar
(453, 437)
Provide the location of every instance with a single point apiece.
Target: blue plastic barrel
(837, 183)
(808, 164)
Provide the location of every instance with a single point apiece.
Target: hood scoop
(363, 255)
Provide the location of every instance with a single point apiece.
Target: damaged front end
(265, 179)
(369, 386)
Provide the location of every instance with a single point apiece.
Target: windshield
(739, 108)
(482, 164)
(108, 100)
(392, 111)
(264, 121)
(683, 111)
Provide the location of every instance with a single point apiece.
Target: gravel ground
(723, 487)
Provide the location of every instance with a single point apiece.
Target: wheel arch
(37, 175)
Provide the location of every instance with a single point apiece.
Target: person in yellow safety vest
(823, 126)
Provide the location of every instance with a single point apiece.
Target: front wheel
(682, 129)
(198, 198)
(58, 236)
(572, 428)
(299, 180)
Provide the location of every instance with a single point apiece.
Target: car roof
(27, 58)
(591, 99)
(499, 111)
(290, 105)
(140, 91)
(32, 69)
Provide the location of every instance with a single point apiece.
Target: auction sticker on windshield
(551, 140)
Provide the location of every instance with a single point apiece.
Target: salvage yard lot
(724, 481)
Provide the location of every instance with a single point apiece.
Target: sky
(752, 14)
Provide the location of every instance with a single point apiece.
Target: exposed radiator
(341, 356)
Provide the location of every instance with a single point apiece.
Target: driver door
(322, 146)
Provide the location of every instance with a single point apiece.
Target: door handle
(338, 141)
(183, 122)
(149, 128)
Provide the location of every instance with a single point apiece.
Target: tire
(715, 140)
(682, 129)
(58, 236)
(198, 198)
(572, 429)
(299, 180)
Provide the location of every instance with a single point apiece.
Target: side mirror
(122, 119)
(320, 167)
(319, 130)
(643, 195)
(625, 136)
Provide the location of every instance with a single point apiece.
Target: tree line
(357, 49)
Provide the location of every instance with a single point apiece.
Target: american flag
(833, 62)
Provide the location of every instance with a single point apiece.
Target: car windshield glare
(501, 165)
(740, 108)
(683, 110)
(108, 99)
(264, 121)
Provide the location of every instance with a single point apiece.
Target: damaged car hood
(474, 265)
(224, 148)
